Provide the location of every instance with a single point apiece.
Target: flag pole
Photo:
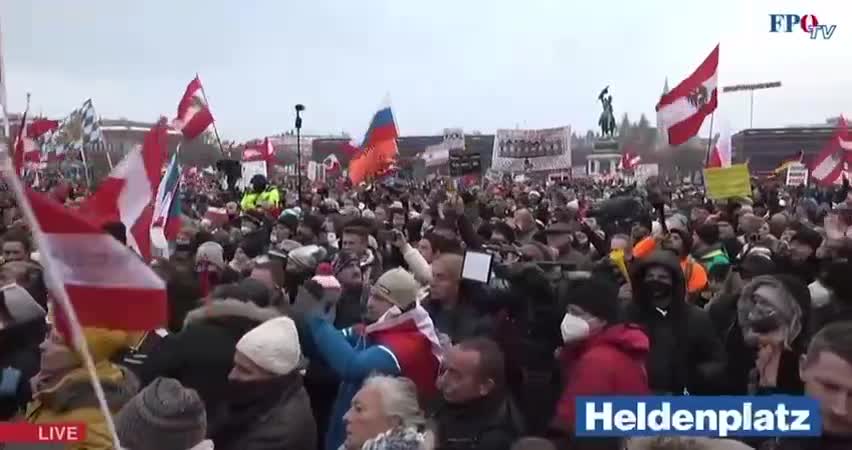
(215, 130)
(85, 166)
(57, 288)
(709, 141)
(106, 146)
(109, 159)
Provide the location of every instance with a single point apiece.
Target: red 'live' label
(22, 432)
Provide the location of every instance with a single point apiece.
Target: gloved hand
(9, 383)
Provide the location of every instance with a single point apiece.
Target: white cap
(273, 345)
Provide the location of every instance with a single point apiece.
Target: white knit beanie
(273, 345)
(212, 253)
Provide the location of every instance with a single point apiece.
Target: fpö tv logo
(808, 23)
(721, 416)
(31, 433)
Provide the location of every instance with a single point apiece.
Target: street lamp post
(299, 108)
(751, 88)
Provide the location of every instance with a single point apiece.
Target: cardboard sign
(727, 182)
(797, 174)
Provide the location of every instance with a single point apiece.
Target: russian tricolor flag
(378, 150)
(382, 128)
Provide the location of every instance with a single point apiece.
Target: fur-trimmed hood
(74, 390)
(231, 308)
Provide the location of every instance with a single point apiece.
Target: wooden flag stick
(57, 289)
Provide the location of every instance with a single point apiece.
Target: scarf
(394, 318)
(249, 401)
(398, 438)
(206, 444)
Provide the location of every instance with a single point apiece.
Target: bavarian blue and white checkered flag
(80, 128)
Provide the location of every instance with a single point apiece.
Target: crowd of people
(339, 317)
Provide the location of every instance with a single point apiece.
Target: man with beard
(267, 401)
(399, 340)
(686, 354)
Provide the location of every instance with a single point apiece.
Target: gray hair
(399, 399)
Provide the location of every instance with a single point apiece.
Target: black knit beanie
(597, 295)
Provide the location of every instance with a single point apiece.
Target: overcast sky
(480, 65)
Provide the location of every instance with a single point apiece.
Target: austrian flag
(682, 110)
(109, 286)
(193, 113)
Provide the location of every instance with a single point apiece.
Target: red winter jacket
(609, 363)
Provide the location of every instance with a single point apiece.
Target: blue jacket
(353, 358)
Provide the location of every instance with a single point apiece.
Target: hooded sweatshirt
(686, 354)
(609, 363)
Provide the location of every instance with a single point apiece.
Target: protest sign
(797, 174)
(727, 182)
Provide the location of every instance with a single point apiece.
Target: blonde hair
(399, 399)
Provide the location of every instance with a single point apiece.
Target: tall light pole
(299, 108)
(751, 88)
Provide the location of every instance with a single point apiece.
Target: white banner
(644, 171)
(797, 174)
(436, 155)
(251, 169)
(532, 150)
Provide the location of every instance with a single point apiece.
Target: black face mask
(250, 392)
(656, 290)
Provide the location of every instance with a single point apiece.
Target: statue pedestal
(605, 145)
(604, 159)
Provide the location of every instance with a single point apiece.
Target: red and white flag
(828, 165)
(108, 285)
(259, 151)
(682, 110)
(33, 157)
(128, 194)
(193, 112)
(331, 163)
(720, 155)
(20, 142)
(629, 161)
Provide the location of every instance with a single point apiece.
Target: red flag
(20, 149)
(129, 192)
(108, 285)
(827, 167)
(259, 151)
(193, 112)
(682, 110)
(331, 163)
(39, 127)
(630, 160)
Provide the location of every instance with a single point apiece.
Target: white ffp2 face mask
(573, 328)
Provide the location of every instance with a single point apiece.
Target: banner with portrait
(532, 150)
(454, 138)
